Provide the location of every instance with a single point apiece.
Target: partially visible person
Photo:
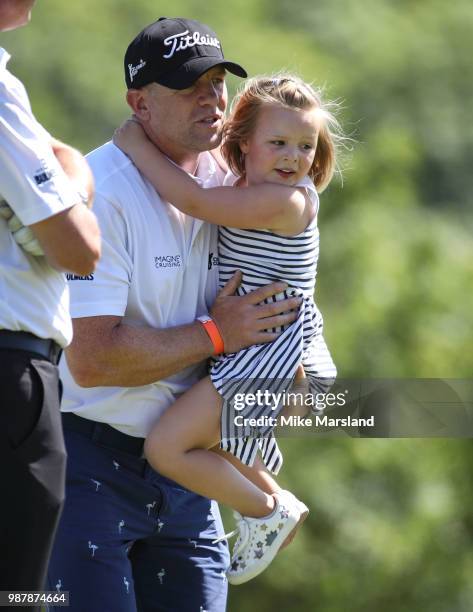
(279, 141)
(45, 229)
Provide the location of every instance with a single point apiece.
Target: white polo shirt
(33, 296)
(158, 269)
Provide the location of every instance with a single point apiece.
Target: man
(39, 183)
(129, 538)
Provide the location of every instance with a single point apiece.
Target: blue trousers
(131, 540)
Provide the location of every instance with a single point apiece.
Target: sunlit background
(391, 523)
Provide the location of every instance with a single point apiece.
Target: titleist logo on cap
(184, 40)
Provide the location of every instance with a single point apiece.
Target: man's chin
(207, 144)
(215, 142)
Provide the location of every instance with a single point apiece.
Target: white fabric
(33, 296)
(154, 271)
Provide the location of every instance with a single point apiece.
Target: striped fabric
(264, 257)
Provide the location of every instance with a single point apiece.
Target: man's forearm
(106, 352)
(127, 356)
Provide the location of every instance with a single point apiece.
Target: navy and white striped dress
(265, 257)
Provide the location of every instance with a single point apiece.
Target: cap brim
(189, 72)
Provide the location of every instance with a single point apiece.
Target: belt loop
(96, 432)
(55, 353)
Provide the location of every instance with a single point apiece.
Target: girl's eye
(307, 147)
(277, 142)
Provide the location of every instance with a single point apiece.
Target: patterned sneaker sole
(256, 569)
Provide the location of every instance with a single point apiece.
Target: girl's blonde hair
(290, 92)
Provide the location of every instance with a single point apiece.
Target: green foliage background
(391, 520)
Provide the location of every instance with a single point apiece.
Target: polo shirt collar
(207, 168)
(4, 57)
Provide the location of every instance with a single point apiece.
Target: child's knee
(158, 451)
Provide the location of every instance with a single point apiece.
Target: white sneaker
(260, 539)
(304, 511)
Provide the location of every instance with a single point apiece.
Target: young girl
(277, 142)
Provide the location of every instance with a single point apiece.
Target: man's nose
(208, 92)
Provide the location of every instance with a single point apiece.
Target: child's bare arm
(270, 206)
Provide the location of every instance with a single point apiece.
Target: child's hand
(299, 391)
(129, 136)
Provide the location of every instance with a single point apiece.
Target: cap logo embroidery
(135, 69)
(181, 41)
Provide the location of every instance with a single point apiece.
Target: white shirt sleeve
(31, 179)
(105, 292)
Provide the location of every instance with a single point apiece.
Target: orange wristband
(213, 333)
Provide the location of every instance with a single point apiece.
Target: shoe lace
(243, 531)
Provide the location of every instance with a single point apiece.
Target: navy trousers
(131, 540)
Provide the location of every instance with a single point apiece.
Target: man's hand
(21, 234)
(242, 320)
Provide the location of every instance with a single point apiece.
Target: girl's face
(282, 146)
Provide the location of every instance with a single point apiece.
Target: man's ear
(138, 102)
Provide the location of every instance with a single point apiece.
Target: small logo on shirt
(213, 261)
(168, 261)
(44, 174)
(72, 277)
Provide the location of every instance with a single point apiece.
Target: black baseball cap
(174, 53)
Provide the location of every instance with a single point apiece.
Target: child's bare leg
(257, 473)
(178, 447)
